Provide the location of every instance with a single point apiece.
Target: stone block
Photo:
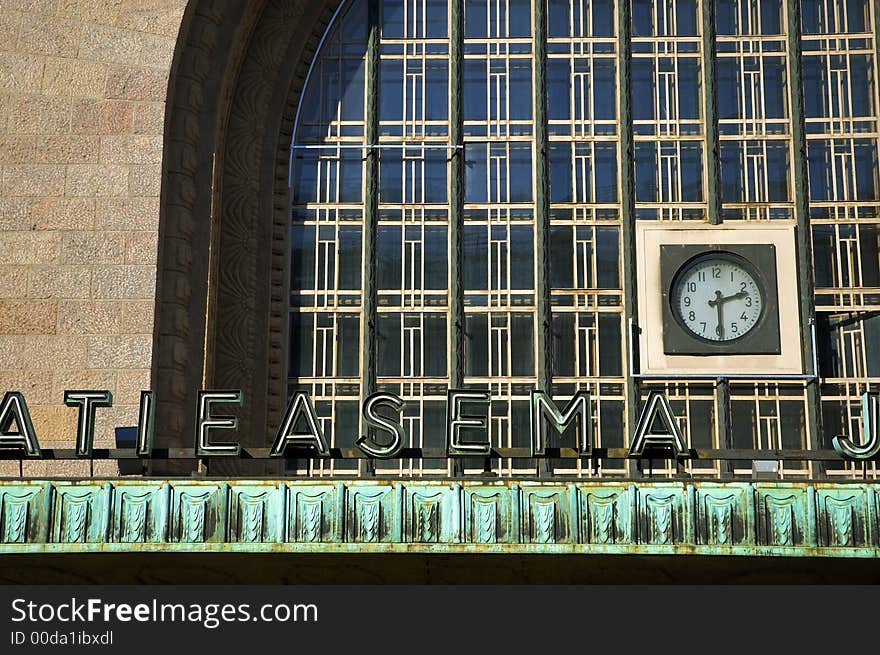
(93, 248)
(74, 78)
(60, 282)
(33, 180)
(120, 351)
(28, 317)
(16, 214)
(131, 83)
(13, 282)
(96, 180)
(35, 385)
(101, 116)
(30, 247)
(47, 35)
(89, 317)
(128, 214)
(131, 149)
(120, 46)
(83, 379)
(124, 282)
(141, 248)
(18, 149)
(63, 214)
(21, 73)
(68, 150)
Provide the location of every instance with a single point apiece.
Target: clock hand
(735, 296)
(718, 304)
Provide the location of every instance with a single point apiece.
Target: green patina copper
(671, 517)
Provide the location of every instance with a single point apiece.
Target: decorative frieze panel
(606, 514)
(199, 512)
(546, 513)
(140, 513)
(781, 513)
(254, 512)
(722, 515)
(312, 513)
(660, 515)
(371, 514)
(842, 516)
(22, 511)
(79, 513)
(430, 514)
(739, 518)
(487, 513)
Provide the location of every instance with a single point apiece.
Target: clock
(719, 299)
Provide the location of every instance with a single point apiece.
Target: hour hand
(735, 296)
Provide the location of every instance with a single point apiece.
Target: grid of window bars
(461, 218)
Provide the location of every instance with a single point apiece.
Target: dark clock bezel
(760, 261)
(715, 255)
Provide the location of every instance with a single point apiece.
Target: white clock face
(717, 298)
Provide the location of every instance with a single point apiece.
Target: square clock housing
(719, 299)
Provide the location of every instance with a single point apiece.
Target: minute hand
(722, 299)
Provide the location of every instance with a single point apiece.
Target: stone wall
(82, 109)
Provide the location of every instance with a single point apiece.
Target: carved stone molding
(234, 87)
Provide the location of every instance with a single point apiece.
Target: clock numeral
(748, 301)
(702, 276)
(687, 301)
(743, 317)
(734, 328)
(692, 316)
(742, 286)
(718, 330)
(703, 324)
(692, 286)
(716, 271)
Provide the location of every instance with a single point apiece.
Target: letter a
(657, 406)
(300, 404)
(14, 408)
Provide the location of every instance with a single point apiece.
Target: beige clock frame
(653, 361)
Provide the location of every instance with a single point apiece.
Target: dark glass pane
(522, 345)
(557, 18)
(731, 171)
(520, 22)
(604, 90)
(611, 423)
(608, 256)
(558, 86)
(603, 18)
(872, 343)
(725, 16)
(866, 170)
(642, 17)
(346, 424)
(521, 257)
(302, 257)
(388, 344)
(388, 264)
(818, 156)
(777, 171)
(605, 171)
(350, 169)
(688, 88)
(823, 255)
(435, 23)
(475, 173)
(436, 90)
(702, 413)
(348, 345)
(301, 345)
(305, 188)
(391, 90)
(349, 240)
(869, 239)
(646, 172)
(727, 87)
(474, 89)
(392, 19)
(814, 87)
(691, 173)
(521, 171)
(475, 19)
(435, 257)
(435, 175)
(560, 172)
(685, 17)
(563, 344)
(352, 106)
(476, 249)
(642, 89)
(610, 357)
(561, 248)
(771, 16)
(520, 89)
(476, 345)
(390, 176)
(774, 87)
(434, 345)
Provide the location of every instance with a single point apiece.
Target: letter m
(543, 411)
